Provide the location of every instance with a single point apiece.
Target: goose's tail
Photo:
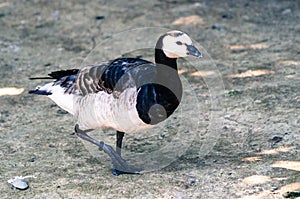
(62, 90)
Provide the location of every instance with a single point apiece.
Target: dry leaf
(181, 71)
(251, 73)
(258, 46)
(290, 62)
(256, 179)
(193, 19)
(237, 47)
(252, 159)
(291, 76)
(292, 165)
(203, 73)
(290, 187)
(259, 179)
(4, 4)
(11, 91)
(246, 47)
(275, 151)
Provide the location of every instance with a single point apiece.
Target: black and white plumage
(126, 94)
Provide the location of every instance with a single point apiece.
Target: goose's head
(176, 44)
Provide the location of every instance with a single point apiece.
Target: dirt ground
(236, 135)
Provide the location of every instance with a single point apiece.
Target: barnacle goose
(125, 94)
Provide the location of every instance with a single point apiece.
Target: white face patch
(174, 44)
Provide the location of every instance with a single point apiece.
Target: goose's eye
(179, 43)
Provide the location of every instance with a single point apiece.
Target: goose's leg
(119, 164)
(120, 136)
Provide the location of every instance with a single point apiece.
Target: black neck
(161, 58)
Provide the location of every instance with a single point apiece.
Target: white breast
(103, 110)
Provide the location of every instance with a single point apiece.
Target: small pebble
(197, 4)
(227, 116)
(32, 158)
(238, 51)
(61, 112)
(161, 136)
(191, 182)
(276, 139)
(286, 11)
(257, 101)
(234, 92)
(47, 65)
(99, 17)
(180, 196)
(227, 16)
(225, 127)
(217, 26)
(55, 14)
(18, 183)
(51, 145)
(274, 189)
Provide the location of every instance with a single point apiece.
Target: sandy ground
(246, 144)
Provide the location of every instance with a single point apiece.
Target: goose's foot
(120, 166)
(118, 172)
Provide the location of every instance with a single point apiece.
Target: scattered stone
(100, 17)
(227, 116)
(51, 145)
(53, 106)
(197, 4)
(180, 196)
(225, 127)
(257, 101)
(286, 11)
(32, 158)
(217, 26)
(274, 189)
(190, 182)
(238, 51)
(55, 14)
(227, 16)
(276, 139)
(234, 92)
(61, 112)
(19, 183)
(47, 65)
(161, 136)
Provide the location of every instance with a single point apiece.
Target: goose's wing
(115, 76)
(88, 78)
